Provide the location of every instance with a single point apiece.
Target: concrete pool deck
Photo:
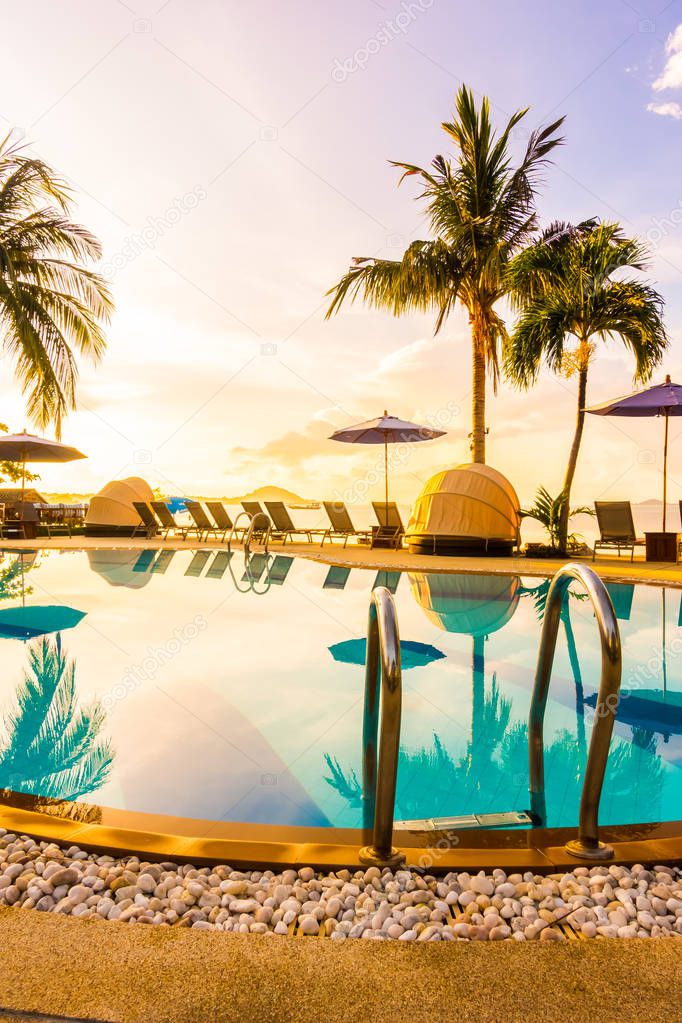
(611, 568)
(60, 968)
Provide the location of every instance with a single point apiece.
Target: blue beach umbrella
(412, 655)
(176, 504)
(37, 620)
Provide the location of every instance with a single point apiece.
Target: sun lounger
(621, 595)
(222, 518)
(341, 524)
(161, 564)
(388, 579)
(148, 523)
(167, 519)
(218, 567)
(283, 527)
(144, 562)
(279, 570)
(202, 524)
(254, 508)
(616, 528)
(336, 578)
(390, 531)
(198, 563)
(255, 566)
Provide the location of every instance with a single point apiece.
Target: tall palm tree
(481, 210)
(51, 747)
(50, 303)
(570, 291)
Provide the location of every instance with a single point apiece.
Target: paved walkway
(87, 970)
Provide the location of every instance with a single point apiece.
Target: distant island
(274, 494)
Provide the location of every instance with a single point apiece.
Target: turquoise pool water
(182, 684)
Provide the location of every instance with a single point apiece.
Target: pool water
(183, 684)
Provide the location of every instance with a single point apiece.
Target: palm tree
(480, 210)
(570, 296)
(51, 747)
(50, 303)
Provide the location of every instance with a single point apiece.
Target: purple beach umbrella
(660, 400)
(386, 430)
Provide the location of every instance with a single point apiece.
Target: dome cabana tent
(471, 509)
(111, 511)
(471, 605)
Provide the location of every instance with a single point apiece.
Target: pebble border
(401, 905)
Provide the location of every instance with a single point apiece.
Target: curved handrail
(378, 786)
(264, 530)
(234, 528)
(251, 528)
(587, 846)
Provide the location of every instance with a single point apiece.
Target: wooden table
(661, 546)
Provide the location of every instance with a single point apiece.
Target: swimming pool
(183, 685)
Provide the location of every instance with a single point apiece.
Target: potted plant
(548, 510)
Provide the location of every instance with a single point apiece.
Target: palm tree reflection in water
(51, 748)
(493, 773)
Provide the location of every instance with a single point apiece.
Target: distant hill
(272, 494)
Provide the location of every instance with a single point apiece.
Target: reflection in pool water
(51, 748)
(223, 701)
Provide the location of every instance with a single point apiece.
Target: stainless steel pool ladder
(383, 689)
(258, 523)
(587, 846)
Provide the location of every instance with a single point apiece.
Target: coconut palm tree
(50, 303)
(51, 747)
(571, 294)
(480, 210)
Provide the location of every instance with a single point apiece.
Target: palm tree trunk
(477, 390)
(575, 448)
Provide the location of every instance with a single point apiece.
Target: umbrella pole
(386, 478)
(663, 651)
(665, 470)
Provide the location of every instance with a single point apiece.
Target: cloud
(666, 109)
(671, 76)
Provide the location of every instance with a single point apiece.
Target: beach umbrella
(25, 447)
(22, 622)
(660, 400)
(37, 620)
(386, 430)
(412, 654)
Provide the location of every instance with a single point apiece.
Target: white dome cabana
(471, 509)
(111, 511)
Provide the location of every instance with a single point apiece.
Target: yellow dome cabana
(471, 605)
(471, 509)
(111, 511)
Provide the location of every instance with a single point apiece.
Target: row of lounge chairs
(272, 570)
(614, 518)
(215, 521)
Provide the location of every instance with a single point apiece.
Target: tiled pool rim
(254, 845)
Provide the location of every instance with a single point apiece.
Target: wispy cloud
(671, 76)
(669, 109)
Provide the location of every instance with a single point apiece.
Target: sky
(233, 157)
